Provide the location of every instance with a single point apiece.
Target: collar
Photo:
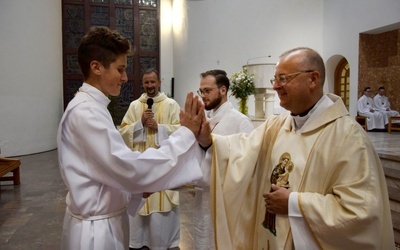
(329, 108)
(95, 93)
(220, 111)
(158, 98)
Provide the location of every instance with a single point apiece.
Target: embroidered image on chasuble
(280, 177)
(289, 156)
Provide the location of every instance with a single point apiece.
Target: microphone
(149, 102)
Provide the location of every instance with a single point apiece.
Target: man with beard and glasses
(224, 120)
(150, 120)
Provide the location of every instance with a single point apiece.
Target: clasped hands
(148, 120)
(193, 117)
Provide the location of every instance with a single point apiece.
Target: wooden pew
(362, 120)
(390, 124)
(8, 165)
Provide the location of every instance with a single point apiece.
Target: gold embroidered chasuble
(166, 113)
(342, 190)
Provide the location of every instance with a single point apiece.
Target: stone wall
(379, 64)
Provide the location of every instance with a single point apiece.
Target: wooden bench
(8, 165)
(390, 124)
(362, 120)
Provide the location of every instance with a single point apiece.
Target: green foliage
(242, 84)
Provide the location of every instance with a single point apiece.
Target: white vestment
(224, 121)
(335, 174)
(148, 228)
(383, 104)
(376, 120)
(104, 176)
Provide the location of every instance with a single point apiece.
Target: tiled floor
(31, 214)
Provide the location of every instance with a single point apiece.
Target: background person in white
(102, 174)
(366, 107)
(383, 104)
(224, 120)
(157, 223)
(335, 196)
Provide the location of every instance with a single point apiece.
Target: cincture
(97, 217)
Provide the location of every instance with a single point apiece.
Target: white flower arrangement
(242, 84)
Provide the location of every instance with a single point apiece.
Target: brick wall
(379, 64)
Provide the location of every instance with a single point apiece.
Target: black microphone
(149, 102)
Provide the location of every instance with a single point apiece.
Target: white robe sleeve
(136, 201)
(161, 135)
(139, 132)
(206, 167)
(109, 161)
(302, 236)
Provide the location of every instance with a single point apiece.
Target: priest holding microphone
(149, 120)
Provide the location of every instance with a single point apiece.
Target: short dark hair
(103, 45)
(366, 88)
(312, 59)
(220, 77)
(151, 70)
(381, 87)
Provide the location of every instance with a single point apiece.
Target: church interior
(38, 75)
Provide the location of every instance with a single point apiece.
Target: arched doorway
(342, 81)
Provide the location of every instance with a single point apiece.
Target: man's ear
(315, 78)
(96, 67)
(223, 89)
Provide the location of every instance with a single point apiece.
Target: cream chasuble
(342, 191)
(288, 158)
(166, 113)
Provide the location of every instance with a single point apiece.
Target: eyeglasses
(283, 79)
(205, 91)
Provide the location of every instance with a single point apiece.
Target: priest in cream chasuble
(329, 164)
(166, 112)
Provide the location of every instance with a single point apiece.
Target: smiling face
(301, 90)
(111, 79)
(151, 84)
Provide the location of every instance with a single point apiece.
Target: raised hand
(204, 137)
(193, 115)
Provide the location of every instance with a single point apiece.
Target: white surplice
(103, 175)
(226, 120)
(383, 104)
(376, 120)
